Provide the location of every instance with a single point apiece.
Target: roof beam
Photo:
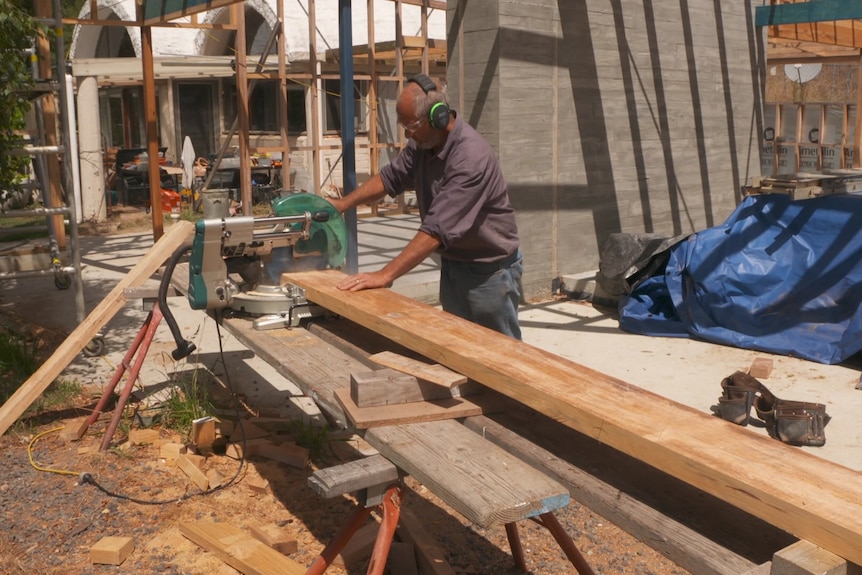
(802, 12)
(846, 33)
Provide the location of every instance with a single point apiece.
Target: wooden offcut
(239, 549)
(179, 234)
(111, 550)
(761, 368)
(432, 373)
(812, 498)
(805, 558)
(452, 408)
(391, 387)
(276, 537)
(194, 473)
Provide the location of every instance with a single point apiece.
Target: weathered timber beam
(801, 493)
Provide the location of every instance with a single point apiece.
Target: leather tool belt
(792, 422)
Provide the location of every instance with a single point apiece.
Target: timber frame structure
(816, 31)
(381, 62)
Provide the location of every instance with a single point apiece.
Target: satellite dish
(802, 72)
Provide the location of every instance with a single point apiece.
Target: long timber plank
(179, 234)
(803, 494)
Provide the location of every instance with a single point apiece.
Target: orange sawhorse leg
(549, 522)
(141, 344)
(390, 510)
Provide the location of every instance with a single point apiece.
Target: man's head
(419, 109)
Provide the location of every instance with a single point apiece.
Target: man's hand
(363, 281)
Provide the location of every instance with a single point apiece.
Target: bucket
(216, 203)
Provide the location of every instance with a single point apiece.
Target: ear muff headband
(439, 114)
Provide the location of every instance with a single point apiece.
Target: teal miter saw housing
(238, 262)
(327, 237)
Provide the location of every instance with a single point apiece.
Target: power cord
(86, 478)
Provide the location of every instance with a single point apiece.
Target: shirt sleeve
(397, 175)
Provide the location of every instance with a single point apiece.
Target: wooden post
(52, 192)
(154, 173)
(238, 12)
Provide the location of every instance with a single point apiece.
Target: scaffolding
(46, 152)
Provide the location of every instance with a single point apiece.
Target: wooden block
(197, 460)
(240, 550)
(215, 478)
(247, 430)
(224, 427)
(452, 408)
(391, 387)
(257, 484)
(111, 550)
(87, 449)
(171, 451)
(190, 468)
(74, 429)
(173, 438)
(353, 476)
(805, 558)
(203, 432)
(249, 448)
(276, 537)
(143, 436)
(289, 454)
(402, 559)
(359, 547)
(762, 569)
(761, 367)
(432, 373)
(428, 553)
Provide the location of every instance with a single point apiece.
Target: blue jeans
(485, 293)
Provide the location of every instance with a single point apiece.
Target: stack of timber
(800, 493)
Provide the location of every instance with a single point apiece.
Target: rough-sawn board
(810, 497)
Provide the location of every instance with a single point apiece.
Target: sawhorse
(140, 346)
(374, 475)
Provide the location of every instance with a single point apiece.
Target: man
(464, 207)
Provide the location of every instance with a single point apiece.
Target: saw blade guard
(328, 238)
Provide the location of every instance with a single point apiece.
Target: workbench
(697, 531)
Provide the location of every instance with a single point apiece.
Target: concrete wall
(610, 116)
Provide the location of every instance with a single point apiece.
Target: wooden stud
(111, 550)
(239, 549)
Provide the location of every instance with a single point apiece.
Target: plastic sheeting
(779, 276)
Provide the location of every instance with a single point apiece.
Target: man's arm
(420, 247)
(369, 192)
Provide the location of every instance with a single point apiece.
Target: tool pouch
(738, 394)
(794, 422)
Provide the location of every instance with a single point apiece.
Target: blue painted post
(348, 131)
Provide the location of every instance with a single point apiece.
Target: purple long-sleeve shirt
(462, 196)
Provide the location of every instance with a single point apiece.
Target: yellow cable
(33, 462)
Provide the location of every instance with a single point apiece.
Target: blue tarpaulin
(779, 276)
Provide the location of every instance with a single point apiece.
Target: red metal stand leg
(391, 511)
(118, 373)
(549, 521)
(151, 323)
(515, 545)
(341, 538)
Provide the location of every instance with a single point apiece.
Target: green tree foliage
(17, 34)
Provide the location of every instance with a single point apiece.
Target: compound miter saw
(237, 263)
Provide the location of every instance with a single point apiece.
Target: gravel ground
(50, 520)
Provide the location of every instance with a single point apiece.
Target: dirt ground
(50, 520)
